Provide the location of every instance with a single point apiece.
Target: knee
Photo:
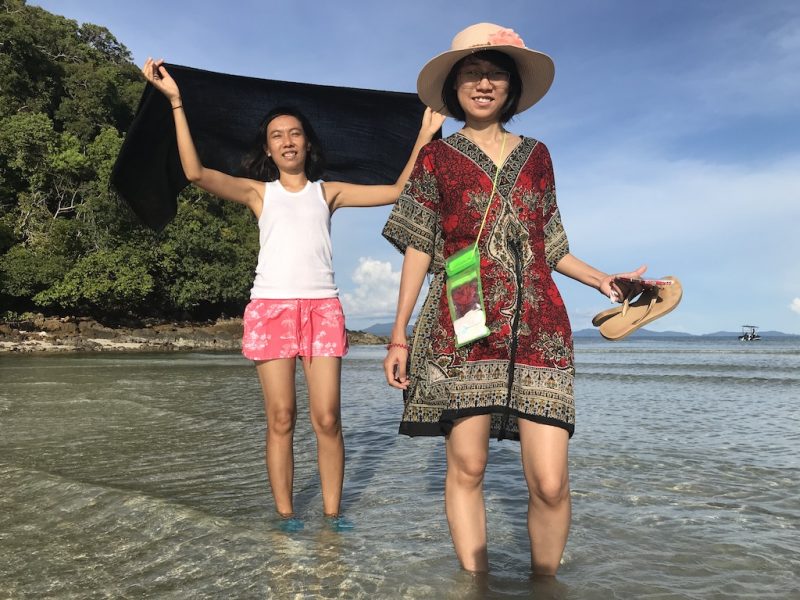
(468, 470)
(327, 424)
(281, 422)
(552, 491)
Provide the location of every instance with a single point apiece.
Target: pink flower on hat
(506, 37)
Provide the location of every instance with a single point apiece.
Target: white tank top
(295, 259)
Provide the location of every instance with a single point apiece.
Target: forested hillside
(68, 245)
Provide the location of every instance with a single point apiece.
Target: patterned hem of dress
(445, 424)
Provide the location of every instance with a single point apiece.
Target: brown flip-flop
(605, 315)
(654, 302)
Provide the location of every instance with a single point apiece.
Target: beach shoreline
(48, 335)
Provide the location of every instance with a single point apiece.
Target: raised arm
(576, 269)
(238, 189)
(341, 194)
(415, 265)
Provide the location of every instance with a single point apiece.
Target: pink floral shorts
(296, 327)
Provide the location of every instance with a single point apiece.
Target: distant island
(385, 329)
(40, 333)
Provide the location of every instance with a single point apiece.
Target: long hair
(258, 165)
(501, 61)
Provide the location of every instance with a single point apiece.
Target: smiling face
(482, 89)
(286, 143)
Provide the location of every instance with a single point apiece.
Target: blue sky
(674, 128)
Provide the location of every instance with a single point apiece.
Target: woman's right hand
(394, 365)
(617, 290)
(157, 76)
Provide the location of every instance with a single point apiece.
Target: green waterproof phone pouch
(464, 290)
(465, 295)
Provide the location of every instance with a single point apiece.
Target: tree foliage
(68, 93)
(114, 281)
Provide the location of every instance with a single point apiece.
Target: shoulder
(436, 147)
(328, 190)
(429, 155)
(429, 149)
(537, 144)
(258, 191)
(451, 141)
(325, 189)
(264, 187)
(438, 150)
(532, 142)
(538, 151)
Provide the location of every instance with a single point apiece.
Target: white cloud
(631, 199)
(795, 305)
(376, 290)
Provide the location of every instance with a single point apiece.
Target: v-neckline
(472, 152)
(486, 155)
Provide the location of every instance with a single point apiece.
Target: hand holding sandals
(655, 299)
(615, 288)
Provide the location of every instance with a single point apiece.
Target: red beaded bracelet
(394, 345)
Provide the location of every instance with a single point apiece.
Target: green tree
(68, 93)
(26, 142)
(110, 281)
(80, 75)
(30, 58)
(207, 258)
(25, 272)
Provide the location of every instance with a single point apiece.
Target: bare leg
(467, 453)
(544, 461)
(323, 374)
(280, 407)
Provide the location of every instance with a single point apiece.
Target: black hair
(257, 165)
(500, 60)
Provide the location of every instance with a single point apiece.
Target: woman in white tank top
(294, 309)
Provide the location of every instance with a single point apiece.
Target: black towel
(367, 135)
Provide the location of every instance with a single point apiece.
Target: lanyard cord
(494, 188)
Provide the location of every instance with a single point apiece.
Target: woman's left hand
(431, 122)
(617, 290)
(394, 366)
(156, 74)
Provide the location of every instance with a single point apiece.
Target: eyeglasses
(473, 76)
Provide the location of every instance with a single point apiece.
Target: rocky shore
(84, 334)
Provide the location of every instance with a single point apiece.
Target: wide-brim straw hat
(536, 69)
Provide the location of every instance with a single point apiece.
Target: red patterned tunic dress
(524, 368)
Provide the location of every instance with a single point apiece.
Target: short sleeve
(415, 220)
(556, 245)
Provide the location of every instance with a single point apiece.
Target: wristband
(394, 345)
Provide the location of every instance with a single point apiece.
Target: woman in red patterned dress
(517, 382)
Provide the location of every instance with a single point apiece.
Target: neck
(484, 133)
(293, 181)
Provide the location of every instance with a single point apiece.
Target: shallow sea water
(142, 475)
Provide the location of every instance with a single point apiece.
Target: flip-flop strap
(650, 306)
(627, 302)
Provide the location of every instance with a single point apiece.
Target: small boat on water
(749, 333)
